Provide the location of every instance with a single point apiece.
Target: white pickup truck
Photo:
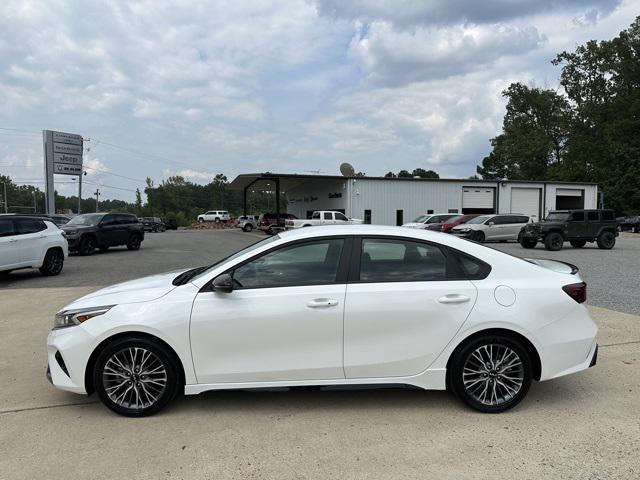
(321, 218)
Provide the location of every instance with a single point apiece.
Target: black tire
(5, 273)
(201, 220)
(217, 220)
(578, 243)
(104, 249)
(53, 262)
(161, 387)
(477, 236)
(134, 242)
(248, 227)
(87, 246)
(528, 242)
(606, 240)
(553, 241)
(471, 394)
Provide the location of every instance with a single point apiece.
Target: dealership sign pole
(62, 156)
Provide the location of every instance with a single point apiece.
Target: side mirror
(222, 283)
(491, 224)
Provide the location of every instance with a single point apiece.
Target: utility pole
(6, 201)
(80, 190)
(97, 194)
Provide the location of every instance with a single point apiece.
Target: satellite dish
(346, 169)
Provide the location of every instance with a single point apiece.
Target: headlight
(69, 318)
(464, 230)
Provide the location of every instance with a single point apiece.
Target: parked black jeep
(575, 226)
(89, 231)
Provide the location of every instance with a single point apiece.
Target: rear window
(29, 225)
(592, 216)
(608, 215)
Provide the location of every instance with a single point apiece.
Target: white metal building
(393, 201)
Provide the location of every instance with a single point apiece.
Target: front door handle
(322, 303)
(454, 298)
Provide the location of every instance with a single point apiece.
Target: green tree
(422, 173)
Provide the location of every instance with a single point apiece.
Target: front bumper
(68, 351)
(461, 234)
(73, 242)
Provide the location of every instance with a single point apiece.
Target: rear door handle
(454, 298)
(322, 303)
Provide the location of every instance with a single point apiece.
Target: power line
(114, 174)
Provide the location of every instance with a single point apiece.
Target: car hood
(76, 228)
(414, 225)
(464, 226)
(140, 290)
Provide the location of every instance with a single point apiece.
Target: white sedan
(347, 305)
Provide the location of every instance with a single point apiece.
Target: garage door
(568, 198)
(526, 201)
(477, 198)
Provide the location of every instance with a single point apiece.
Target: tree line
(589, 131)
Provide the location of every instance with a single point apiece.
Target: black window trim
(341, 273)
(451, 255)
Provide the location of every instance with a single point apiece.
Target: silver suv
(247, 222)
(503, 227)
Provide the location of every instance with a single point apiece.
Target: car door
(405, 301)
(283, 321)
(593, 223)
(577, 226)
(32, 239)
(492, 228)
(108, 231)
(328, 218)
(10, 253)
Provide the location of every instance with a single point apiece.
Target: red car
(452, 222)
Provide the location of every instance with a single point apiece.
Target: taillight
(577, 291)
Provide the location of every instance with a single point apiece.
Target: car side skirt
(432, 379)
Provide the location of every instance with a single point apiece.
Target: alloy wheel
(55, 262)
(134, 378)
(493, 374)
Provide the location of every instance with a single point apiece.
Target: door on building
(526, 201)
(569, 198)
(478, 199)
(399, 216)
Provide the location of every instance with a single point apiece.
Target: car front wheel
(87, 246)
(53, 263)
(528, 242)
(553, 241)
(491, 373)
(477, 236)
(248, 227)
(135, 377)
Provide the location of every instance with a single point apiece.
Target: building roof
(292, 180)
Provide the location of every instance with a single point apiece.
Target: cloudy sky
(197, 88)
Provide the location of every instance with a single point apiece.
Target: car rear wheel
(553, 241)
(578, 243)
(606, 240)
(87, 246)
(217, 220)
(200, 220)
(477, 236)
(134, 242)
(491, 373)
(136, 377)
(248, 227)
(53, 263)
(528, 242)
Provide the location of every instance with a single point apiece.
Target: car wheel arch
(526, 343)
(88, 371)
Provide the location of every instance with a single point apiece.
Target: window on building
(452, 210)
(429, 211)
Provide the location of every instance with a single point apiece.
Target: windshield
(250, 248)
(88, 219)
(421, 219)
(557, 217)
(439, 218)
(480, 219)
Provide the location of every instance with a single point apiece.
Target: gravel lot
(612, 275)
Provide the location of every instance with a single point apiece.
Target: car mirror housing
(491, 224)
(222, 283)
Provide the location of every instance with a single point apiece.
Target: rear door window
(577, 217)
(6, 227)
(398, 260)
(328, 216)
(592, 216)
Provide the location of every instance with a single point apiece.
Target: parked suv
(575, 226)
(31, 242)
(214, 216)
(153, 224)
(502, 227)
(170, 223)
(89, 231)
